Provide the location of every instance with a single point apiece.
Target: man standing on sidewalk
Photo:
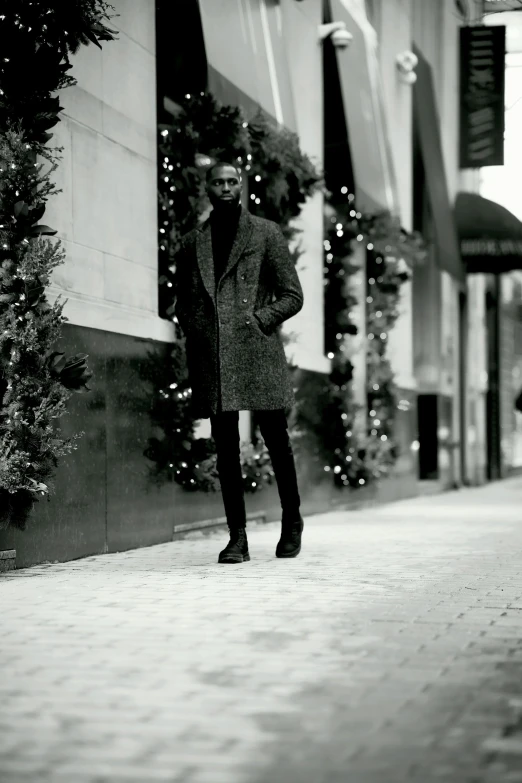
(236, 285)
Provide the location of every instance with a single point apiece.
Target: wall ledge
(7, 560)
(113, 317)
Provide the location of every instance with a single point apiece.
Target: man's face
(224, 187)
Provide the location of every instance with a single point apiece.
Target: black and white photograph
(261, 391)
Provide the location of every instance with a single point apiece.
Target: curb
(203, 526)
(7, 560)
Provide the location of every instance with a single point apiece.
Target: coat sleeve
(286, 284)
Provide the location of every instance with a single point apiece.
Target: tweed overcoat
(232, 329)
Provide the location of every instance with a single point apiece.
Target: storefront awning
(490, 235)
(359, 76)
(246, 56)
(428, 128)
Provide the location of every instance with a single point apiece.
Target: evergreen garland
(203, 130)
(35, 380)
(353, 453)
(355, 445)
(391, 253)
(280, 178)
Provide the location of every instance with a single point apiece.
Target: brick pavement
(389, 651)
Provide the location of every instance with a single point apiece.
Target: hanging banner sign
(482, 65)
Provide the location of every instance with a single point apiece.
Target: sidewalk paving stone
(389, 651)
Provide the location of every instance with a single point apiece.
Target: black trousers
(274, 429)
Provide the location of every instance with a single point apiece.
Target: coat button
(245, 300)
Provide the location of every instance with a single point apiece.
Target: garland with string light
(326, 409)
(328, 413)
(202, 131)
(35, 380)
(353, 445)
(280, 179)
(391, 255)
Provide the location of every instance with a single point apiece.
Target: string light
(356, 462)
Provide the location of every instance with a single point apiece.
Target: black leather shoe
(236, 551)
(290, 542)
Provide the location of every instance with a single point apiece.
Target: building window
(181, 67)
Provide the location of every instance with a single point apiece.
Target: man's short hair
(219, 165)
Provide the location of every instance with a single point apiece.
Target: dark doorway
(428, 424)
(463, 374)
(338, 169)
(181, 68)
(427, 401)
(181, 61)
(494, 458)
(337, 159)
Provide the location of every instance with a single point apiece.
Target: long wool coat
(233, 342)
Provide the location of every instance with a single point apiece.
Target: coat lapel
(204, 251)
(244, 231)
(205, 259)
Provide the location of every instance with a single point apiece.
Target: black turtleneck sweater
(223, 225)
